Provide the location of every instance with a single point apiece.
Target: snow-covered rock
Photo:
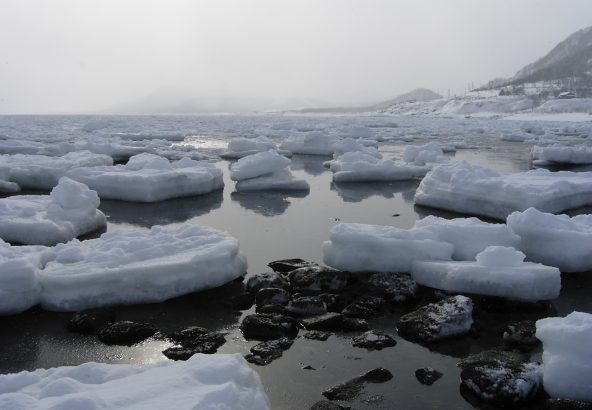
(462, 187)
(359, 247)
(138, 266)
(577, 155)
(150, 178)
(567, 355)
(498, 271)
(44, 172)
(361, 166)
(424, 154)
(310, 143)
(69, 211)
(555, 240)
(280, 181)
(259, 164)
(206, 382)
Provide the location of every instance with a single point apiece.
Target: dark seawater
(277, 225)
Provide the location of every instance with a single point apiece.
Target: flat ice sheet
(465, 188)
(69, 211)
(150, 178)
(555, 240)
(205, 382)
(498, 275)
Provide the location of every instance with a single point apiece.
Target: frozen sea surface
(277, 225)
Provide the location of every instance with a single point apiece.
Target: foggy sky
(128, 55)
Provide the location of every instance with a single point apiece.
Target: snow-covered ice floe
(497, 271)
(121, 267)
(265, 170)
(69, 211)
(310, 143)
(465, 188)
(360, 166)
(554, 240)
(7, 187)
(150, 178)
(567, 355)
(429, 153)
(241, 147)
(43, 172)
(576, 155)
(205, 382)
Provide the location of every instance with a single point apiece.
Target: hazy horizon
(69, 56)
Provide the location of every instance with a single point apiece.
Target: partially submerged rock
(125, 333)
(307, 306)
(365, 307)
(193, 340)
(90, 321)
(373, 340)
(288, 265)
(352, 388)
(266, 296)
(265, 352)
(317, 335)
(269, 327)
(428, 375)
(396, 287)
(317, 278)
(521, 333)
(328, 321)
(448, 318)
(266, 280)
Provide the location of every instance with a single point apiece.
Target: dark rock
(328, 321)
(90, 321)
(269, 327)
(353, 324)
(396, 287)
(448, 318)
(288, 265)
(125, 333)
(243, 302)
(193, 340)
(317, 335)
(273, 308)
(318, 278)
(565, 404)
(266, 280)
(266, 296)
(307, 306)
(365, 307)
(500, 378)
(427, 375)
(522, 333)
(373, 340)
(335, 302)
(327, 405)
(352, 388)
(265, 352)
(308, 367)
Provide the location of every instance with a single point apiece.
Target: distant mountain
(418, 94)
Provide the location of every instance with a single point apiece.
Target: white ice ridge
(259, 164)
(497, 271)
(43, 172)
(567, 355)
(425, 154)
(465, 188)
(554, 240)
(150, 178)
(69, 211)
(241, 147)
(205, 382)
(361, 166)
(577, 155)
(310, 143)
(121, 267)
(265, 170)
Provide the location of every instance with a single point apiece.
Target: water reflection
(359, 191)
(163, 212)
(267, 203)
(311, 164)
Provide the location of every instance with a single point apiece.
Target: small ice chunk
(424, 154)
(282, 180)
(360, 166)
(310, 143)
(256, 165)
(500, 256)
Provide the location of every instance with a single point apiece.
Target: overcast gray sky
(84, 56)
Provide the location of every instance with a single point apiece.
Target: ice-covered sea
(273, 225)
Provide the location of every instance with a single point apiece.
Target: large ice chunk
(138, 266)
(360, 166)
(19, 287)
(465, 188)
(358, 247)
(205, 382)
(241, 147)
(567, 355)
(310, 143)
(150, 178)
(424, 154)
(279, 181)
(350, 145)
(43, 172)
(468, 235)
(259, 164)
(555, 240)
(69, 211)
(577, 155)
(498, 271)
